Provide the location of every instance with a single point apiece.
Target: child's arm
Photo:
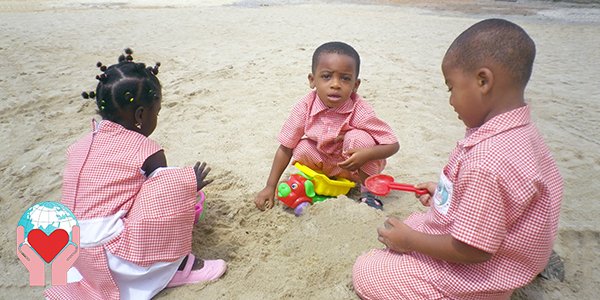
(358, 157)
(401, 238)
(264, 199)
(154, 161)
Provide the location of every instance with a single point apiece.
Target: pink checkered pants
(307, 153)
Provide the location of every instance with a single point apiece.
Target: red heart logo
(48, 246)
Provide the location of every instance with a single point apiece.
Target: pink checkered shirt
(103, 171)
(103, 177)
(506, 200)
(312, 119)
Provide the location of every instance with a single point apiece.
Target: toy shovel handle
(407, 188)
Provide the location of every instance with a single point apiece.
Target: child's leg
(307, 154)
(356, 139)
(384, 274)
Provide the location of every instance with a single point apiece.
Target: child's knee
(305, 150)
(364, 277)
(373, 167)
(306, 153)
(304, 147)
(356, 138)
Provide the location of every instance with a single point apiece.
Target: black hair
(338, 48)
(495, 41)
(126, 84)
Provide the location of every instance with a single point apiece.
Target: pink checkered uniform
(500, 192)
(124, 217)
(312, 130)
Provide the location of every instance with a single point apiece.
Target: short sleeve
(293, 129)
(365, 119)
(481, 219)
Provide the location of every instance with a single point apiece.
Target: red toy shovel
(381, 184)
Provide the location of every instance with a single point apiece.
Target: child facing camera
(493, 215)
(332, 128)
(135, 214)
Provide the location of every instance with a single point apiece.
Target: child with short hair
(135, 214)
(494, 213)
(332, 129)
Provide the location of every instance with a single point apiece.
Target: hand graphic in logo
(65, 259)
(41, 242)
(33, 262)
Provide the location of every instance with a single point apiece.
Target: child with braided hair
(135, 214)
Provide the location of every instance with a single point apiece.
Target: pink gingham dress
(500, 192)
(145, 224)
(312, 131)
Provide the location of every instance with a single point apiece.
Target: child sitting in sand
(332, 128)
(135, 215)
(494, 213)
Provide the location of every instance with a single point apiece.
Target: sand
(231, 72)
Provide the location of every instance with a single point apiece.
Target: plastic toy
(381, 184)
(309, 186)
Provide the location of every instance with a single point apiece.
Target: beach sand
(231, 72)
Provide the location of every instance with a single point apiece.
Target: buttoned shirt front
(310, 118)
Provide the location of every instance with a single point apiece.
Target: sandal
(212, 270)
(371, 200)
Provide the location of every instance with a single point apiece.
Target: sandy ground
(232, 70)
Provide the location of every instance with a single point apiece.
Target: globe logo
(48, 228)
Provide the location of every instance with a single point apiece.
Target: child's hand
(201, 171)
(357, 158)
(264, 199)
(395, 235)
(426, 198)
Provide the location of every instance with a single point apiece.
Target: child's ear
(356, 85)
(138, 114)
(485, 80)
(311, 80)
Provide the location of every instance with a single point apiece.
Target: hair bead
(129, 97)
(101, 66)
(154, 70)
(89, 95)
(102, 77)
